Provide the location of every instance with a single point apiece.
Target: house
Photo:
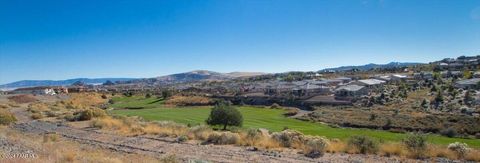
(371, 84)
(312, 89)
(468, 84)
(344, 79)
(385, 78)
(35, 91)
(350, 91)
(476, 74)
(451, 74)
(398, 77)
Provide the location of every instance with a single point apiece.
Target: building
(35, 91)
(398, 77)
(371, 84)
(468, 84)
(350, 91)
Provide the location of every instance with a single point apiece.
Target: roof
(399, 76)
(351, 88)
(469, 81)
(372, 81)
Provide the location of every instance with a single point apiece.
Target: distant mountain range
(197, 75)
(35, 83)
(372, 66)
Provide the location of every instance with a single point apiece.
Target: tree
(166, 94)
(226, 115)
(439, 97)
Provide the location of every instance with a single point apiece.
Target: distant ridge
(197, 75)
(35, 83)
(372, 66)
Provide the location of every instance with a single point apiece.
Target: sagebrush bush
(200, 132)
(416, 144)
(363, 144)
(223, 138)
(315, 147)
(6, 117)
(288, 138)
(275, 106)
(85, 115)
(461, 149)
(182, 138)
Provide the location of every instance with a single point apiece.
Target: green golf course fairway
(274, 120)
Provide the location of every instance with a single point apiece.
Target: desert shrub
(104, 96)
(416, 144)
(288, 138)
(461, 149)
(22, 99)
(223, 138)
(315, 147)
(182, 138)
(275, 106)
(85, 115)
(363, 144)
(291, 112)
(98, 112)
(69, 117)
(200, 132)
(225, 115)
(6, 117)
(449, 132)
(37, 116)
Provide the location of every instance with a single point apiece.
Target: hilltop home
(398, 77)
(372, 84)
(468, 84)
(350, 91)
(35, 91)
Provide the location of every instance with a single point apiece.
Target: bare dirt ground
(160, 147)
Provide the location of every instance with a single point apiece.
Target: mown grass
(274, 120)
(136, 102)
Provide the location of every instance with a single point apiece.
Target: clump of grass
(391, 149)
(363, 144)
(6, 117)
(473, 155)
(223, 138)
(336, 146)
(50, 138)
(37, 116)
(200, 132)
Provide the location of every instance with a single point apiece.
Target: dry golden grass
(84, 100)
(336, 146)
(188, 100)
(392, 149)
(439, 151)
(38, 107)
(473, 155)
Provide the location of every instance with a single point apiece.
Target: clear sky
(45, 39)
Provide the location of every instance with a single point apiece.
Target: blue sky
(44, 39)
